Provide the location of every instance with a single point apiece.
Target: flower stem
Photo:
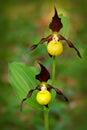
(53, 70)
(46, 111)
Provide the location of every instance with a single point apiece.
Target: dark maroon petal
(39, 87)
(33, 47)
(49, 38)
(28, 96)
(56, 23)
(60, 93)
(70, 44)
(49, 87)
(44, 75)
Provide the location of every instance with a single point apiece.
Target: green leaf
(66, 26)
(22, 79)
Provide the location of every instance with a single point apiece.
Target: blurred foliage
(23, 23)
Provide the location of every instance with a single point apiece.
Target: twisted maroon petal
(70, 44)
(28, 96)
(47, 39)
(58, 91)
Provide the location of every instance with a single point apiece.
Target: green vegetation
(22, 24)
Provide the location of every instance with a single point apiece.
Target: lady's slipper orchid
(55, 26)
(43, 77)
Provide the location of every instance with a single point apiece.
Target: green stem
(46, 111)
(53, 70)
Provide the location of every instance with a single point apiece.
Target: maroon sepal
(44, 75)
(47, 39)
(70, 44)
(56, 23)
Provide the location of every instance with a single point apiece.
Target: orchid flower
(43, 77)
(55, 26)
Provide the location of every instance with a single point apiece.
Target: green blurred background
(23, 23)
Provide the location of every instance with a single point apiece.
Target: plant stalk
(46, 111)
(53, 70)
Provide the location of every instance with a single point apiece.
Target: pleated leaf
(22, 79)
